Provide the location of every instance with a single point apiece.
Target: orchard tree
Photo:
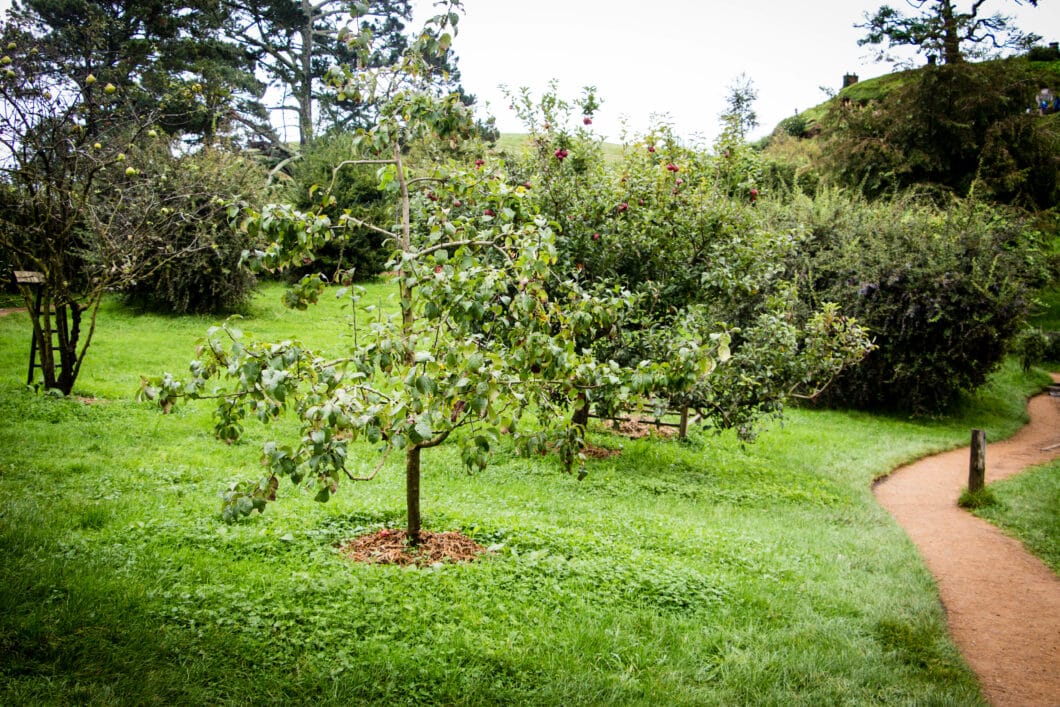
(942, 28)
(679, 228)
(85, 199)
(487, 329)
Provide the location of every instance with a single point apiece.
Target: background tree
(941, 28)
(170, 59)
(296, 43)
(80, 203)
(679, 228)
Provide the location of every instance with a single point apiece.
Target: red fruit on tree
(672, 167)
(623, 207)
(587, 120)
(489, 212)
(596, 236)
(651, 148)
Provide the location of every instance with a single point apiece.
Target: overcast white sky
(677, 56)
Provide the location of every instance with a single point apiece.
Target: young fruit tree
(487, 329)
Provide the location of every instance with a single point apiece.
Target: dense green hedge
(943, 292)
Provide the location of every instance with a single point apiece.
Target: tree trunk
(305, 90)
(412, 493)
(951, 40)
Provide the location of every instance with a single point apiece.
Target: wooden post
(977, 464)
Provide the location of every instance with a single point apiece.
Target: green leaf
(423, 429)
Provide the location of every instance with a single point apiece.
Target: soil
(1002, 603)
(4, 311)
(389, 547)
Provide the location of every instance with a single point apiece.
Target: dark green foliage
(795, 125)
(206, 275)
(1035, 347)
(1040, 53)
(959, 128)
(942, 292)
(169, 59)
(361, 250)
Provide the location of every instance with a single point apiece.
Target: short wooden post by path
(977, 464)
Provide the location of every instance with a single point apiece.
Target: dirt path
(1002, 603)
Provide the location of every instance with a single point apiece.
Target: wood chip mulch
(390, 547)
(594, 452)
(636, 429)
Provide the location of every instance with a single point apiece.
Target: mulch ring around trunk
(390, 547)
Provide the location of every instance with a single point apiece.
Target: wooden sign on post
(36, 279)
(29, 277)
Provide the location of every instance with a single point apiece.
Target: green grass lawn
(703, 572)
(1028, 508)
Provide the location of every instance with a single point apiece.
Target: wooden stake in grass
(977, 464)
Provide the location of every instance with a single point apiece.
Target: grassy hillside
(1045, 73)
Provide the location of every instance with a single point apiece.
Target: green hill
(1043, 73)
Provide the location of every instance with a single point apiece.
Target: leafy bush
(790, 164)
(1040, 53)
(794, 125)
(943, 292)
(957, 127)
(1034, 346)
(188, 197)
(356, 189)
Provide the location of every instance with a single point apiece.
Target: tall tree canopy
(941, 28)
(170, 58)
(297, 43)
